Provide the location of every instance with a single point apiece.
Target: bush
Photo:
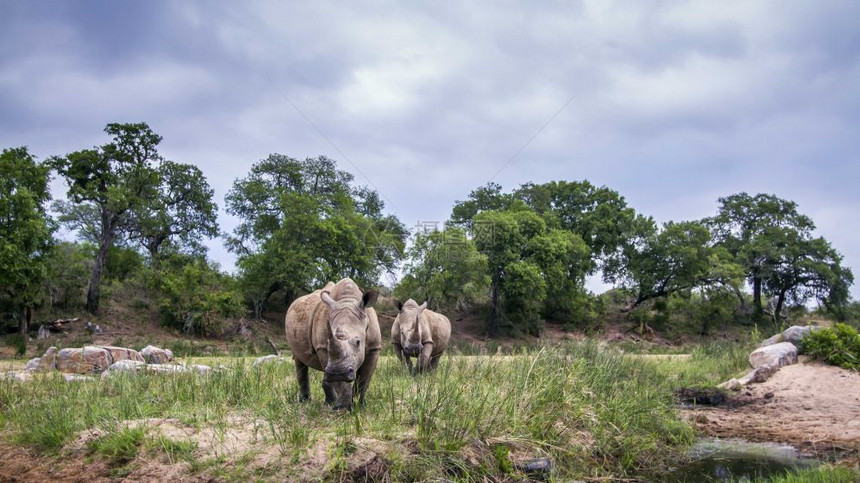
(196, 298)
(839, 346)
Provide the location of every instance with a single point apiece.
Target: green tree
(503, 236)
(744, 225)
(804, 268)
(534, 270)
(564, 260)
(678, 257)
(112, 180)
(484, 198)
(599, 215)
(444, 268)
(181, 213)
(25, 230)
(303, 224)
(773, 243)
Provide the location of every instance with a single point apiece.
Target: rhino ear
(422, 306)
(369, 298)
(399, 305)
(326, 297)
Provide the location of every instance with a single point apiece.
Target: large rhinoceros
(419, 332)
(336, 331)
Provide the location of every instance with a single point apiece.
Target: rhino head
(410, 328)
(347, 322)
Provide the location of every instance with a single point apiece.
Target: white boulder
(781, 354)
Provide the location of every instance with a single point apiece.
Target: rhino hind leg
(304, 382)
(365, 374)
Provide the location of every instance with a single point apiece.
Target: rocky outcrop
(85, 360)
(794, 334)
(156, 355)
(123, 354)
(126, 365)
(48, 362)
(32, 364)
(269, 359)
(780, 354)
(769, 358)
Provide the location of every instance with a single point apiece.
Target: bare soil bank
(810, 405)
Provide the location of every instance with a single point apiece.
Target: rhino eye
(357, 342)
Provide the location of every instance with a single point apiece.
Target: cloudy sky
(672, 104)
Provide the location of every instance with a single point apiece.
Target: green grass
(119, 445)
(595, 412)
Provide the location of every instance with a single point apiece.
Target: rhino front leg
(304, 382)
(365, 374)
(404, 359)
(343, 391)
(330, 395)
(424, 357)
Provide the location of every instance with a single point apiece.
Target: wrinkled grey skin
(335, 331)
(421, 333)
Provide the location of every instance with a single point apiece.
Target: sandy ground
(810, 405)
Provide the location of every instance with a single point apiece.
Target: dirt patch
(19, 465)
(810, 405)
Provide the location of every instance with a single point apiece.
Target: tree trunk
(94, 289)
(757, 308)
(495, 308)
(26, 318)
(776, 311)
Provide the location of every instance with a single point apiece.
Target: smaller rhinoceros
(419, 332)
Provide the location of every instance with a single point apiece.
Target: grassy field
(595, 413)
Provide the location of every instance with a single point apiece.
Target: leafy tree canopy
(444, 268)
(25, 228)
(303, 224)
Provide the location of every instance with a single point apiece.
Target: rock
(123, 354)
(77, 377)
(18, 376)
(32, 364)
(200, 369)
(794, 334)
(731, 385)
(83, 361)
(48, 361)
(178, 369)
(764, 372)
(43, 333)
(126, 365)
(269, 359)
(537, 467)
(166, 368)
(155, 355)
(747, 379)
(780, 354)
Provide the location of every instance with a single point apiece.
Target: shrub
(196, 298)
(839, 345)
